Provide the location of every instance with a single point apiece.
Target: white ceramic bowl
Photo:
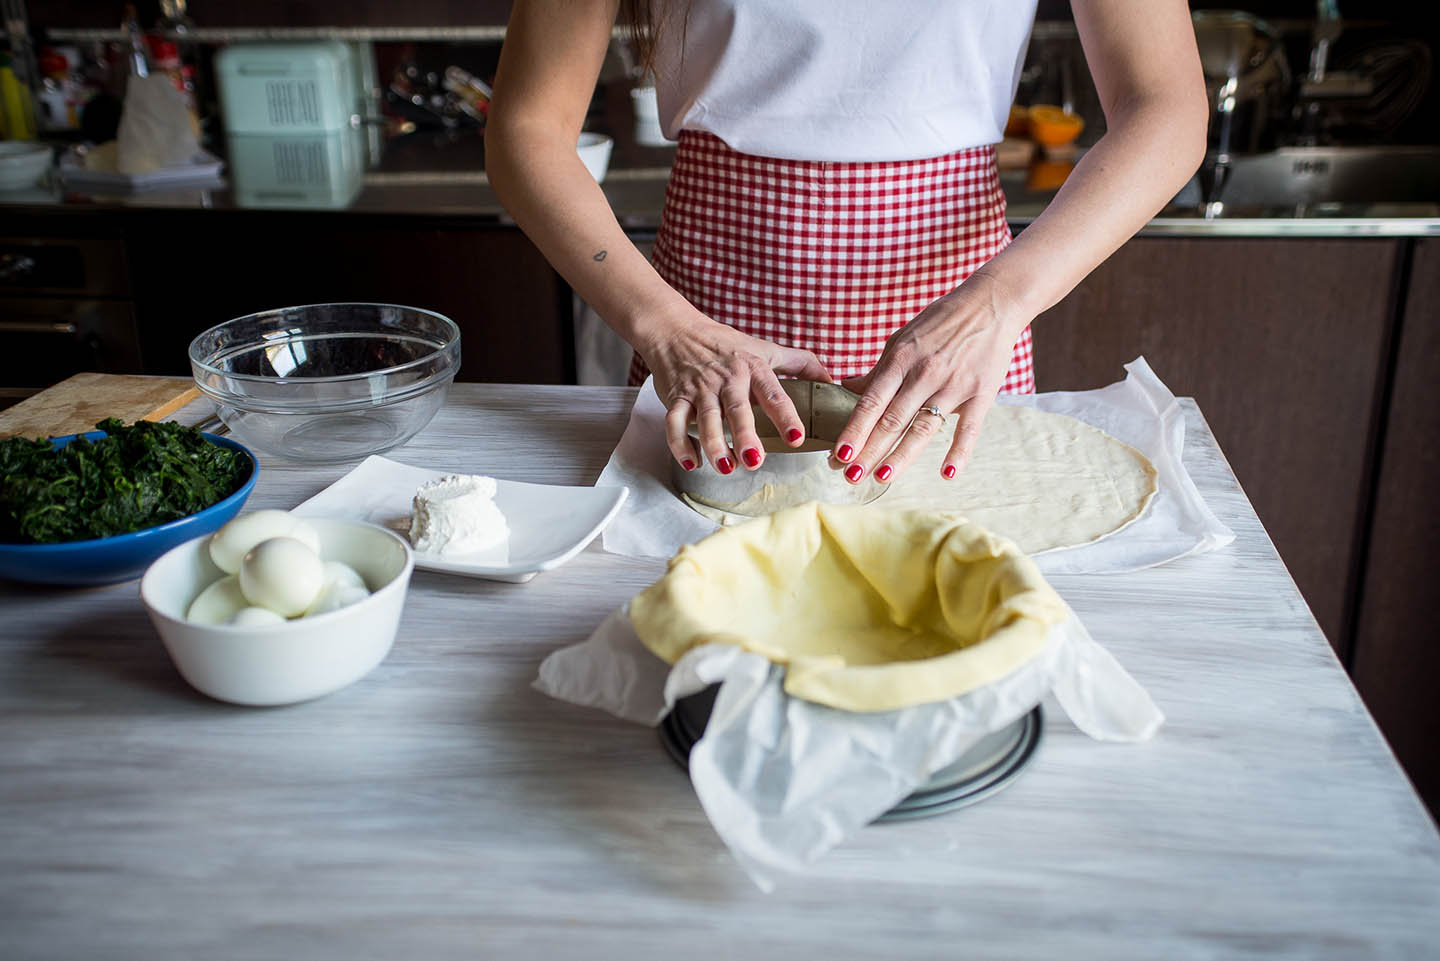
(594, 149)
(294, 661)
(22, 164)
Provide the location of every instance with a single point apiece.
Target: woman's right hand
(708, 373)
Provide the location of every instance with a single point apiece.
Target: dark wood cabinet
(65, 306)
(1397, 638)
(1284, 343)
(193, 270)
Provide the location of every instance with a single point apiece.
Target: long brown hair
(644, 19)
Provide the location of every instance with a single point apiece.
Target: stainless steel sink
(1294, 176)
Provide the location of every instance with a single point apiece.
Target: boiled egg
(218, 603)
(343, 586)
(230, 544)
(255, 617)
(282, 574)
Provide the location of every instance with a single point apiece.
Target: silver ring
(930, 409)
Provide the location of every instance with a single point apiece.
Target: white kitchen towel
(1140, 411)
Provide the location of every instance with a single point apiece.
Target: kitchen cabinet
(64, 307)
(192, 270)
(1284, 343)
(1397, 659)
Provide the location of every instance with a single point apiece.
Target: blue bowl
(124, 557)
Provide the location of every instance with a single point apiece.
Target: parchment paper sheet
(783, 780)
(1140, 411)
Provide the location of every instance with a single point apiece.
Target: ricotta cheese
(456, 514)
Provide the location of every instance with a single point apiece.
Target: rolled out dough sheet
(1046, 481)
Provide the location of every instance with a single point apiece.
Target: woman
(834, 194)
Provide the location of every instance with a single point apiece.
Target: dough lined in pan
(869, 608)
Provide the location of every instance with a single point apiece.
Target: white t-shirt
(843, 80)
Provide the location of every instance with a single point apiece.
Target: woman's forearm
(541, 181)
(1146, 69)
(549, 63)
(1133, 171)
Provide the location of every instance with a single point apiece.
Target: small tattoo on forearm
(599, 257)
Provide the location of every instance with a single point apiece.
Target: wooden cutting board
(76, 404)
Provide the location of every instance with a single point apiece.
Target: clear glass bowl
(327, 383)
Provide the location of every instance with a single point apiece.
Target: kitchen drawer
(74, 266)
(43, 340)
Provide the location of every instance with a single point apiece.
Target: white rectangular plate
(549, 524)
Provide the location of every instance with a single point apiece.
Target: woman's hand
(708, 372)
(952, 357)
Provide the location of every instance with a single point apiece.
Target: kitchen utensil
(284, 663)
(78, 403)
(787, 476)
(327, 383)
(124, 557)
(991, 764)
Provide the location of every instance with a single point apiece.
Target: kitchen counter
(440, 175)
(442, 808)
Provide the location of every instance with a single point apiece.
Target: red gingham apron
(831, 257)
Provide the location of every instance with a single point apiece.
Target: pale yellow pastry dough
(1046, 481)
(870, 609)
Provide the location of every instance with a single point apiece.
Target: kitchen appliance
(1246, 76)
(1246, 79)
(293, 122)
(64, 307)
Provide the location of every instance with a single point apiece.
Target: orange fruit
(1052, 127)
(1047, 175)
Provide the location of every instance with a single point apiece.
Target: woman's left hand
(952, 358)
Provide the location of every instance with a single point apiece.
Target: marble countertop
(442, 808)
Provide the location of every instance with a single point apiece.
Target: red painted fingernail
(845, 453)
(949, 471)
(794, 434)
(725, 465)
(752, 457)
(688, 464)
(854, 472)
(883, 474)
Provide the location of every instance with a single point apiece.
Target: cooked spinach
(133, 478)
